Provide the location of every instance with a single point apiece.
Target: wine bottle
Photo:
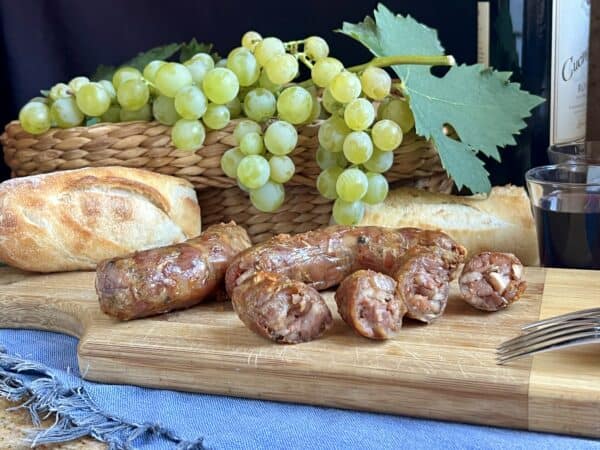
(544, 43)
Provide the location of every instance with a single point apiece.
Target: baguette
(74, 219)
(502, 222)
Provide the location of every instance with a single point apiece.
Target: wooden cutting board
(443, 371)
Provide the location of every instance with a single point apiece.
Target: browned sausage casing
(491, 281)
(367, 301)
(174, 277)
(323, 258)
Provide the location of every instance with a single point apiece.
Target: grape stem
(386, 61)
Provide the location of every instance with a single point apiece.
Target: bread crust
(501, 222)
(72, 220)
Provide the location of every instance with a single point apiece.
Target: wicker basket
(147, 145)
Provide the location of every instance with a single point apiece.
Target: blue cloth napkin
(165, 419)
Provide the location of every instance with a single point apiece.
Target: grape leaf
(482, 105)
(191, 48)
(139, 61)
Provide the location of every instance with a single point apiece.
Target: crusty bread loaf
(501, 222)
(72, 220)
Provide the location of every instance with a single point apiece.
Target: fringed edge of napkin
(76, 413)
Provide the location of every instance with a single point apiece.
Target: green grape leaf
(139, 61)
(191, 48)
(484, 108)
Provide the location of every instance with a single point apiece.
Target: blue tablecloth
(232, 423)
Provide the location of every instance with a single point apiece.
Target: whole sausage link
(283, 310)
(173, 277)
(367, 301)
(491, 281)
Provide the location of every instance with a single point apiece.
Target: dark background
(43, 42)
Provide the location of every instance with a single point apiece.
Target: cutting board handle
(55, 310)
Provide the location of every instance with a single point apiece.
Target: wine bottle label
(483, 33)
(569, 70)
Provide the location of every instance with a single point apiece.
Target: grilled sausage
(283, 310)
(367, 301)
(491, 281)
(174, 277)
(423, 284)
(323, 258)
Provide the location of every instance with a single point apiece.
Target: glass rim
(529, 175)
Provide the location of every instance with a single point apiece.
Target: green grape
(252, 144)
(35, 117)
(331, 105)
(221, 63)
(326, 159)
(379, 161)
(327, 180)
(206, 59)
(352, 184)
(348, 213)
(110, 90)
(230, 161)
(399, 111)
(163, 109)
(216, 116)
(242, 62)
(190, 102)
(315, 111)
(188, 134)
(198, 69)
(144, 113)
(151, 68)
(316, 48)
(59, 90)
(264, 82)
(220, 85)
(267, 49)
(133, 94)
(259, 104)
(358, 147)
(253, 171)
(92, 99)
(43, 100)
(359, 114)
(294, 104)
(376, 83)
(234, 107)
(281, 138)
(282, 69)
(282, 168)
(387, 135)
(250, 39)
(332, 133)
(65, 113)
(244, 127)
(345, 87)
(269, 197)
(325, 70)
(76, 83)
(125, 73)
(377, 190)
(112, 114)
(171, 77)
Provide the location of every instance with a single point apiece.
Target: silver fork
(567, 330)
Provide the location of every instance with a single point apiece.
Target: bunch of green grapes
(261, 163)
(357, 142)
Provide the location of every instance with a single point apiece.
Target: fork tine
(576, 339)
(593, 312)
(542, 332)
(530, 339)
